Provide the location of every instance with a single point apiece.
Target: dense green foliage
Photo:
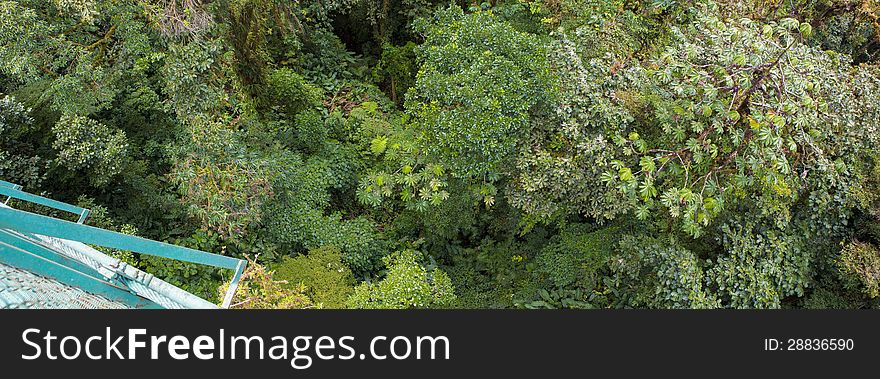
(329, 281)
(508, 154)
(408, 284)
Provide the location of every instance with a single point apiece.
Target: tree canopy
(504, 154)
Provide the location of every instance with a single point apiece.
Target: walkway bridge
(47, 262)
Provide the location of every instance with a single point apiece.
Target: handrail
(6, 184)
(28, 222)
(17, 193)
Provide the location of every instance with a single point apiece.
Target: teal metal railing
(6, 184)
(31, 223)
(13, 193)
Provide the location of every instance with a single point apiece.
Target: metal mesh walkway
(21, 289)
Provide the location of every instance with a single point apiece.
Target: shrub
(408, 284)
(479, 80)
(85, 144)
(760, 266)
(660, 275)
(576, 255)
(290, 93)
(327, 281)
(15, 164)
(258, 289)
(859, 266)
(824, 298)
(397, 67)
(296, 216)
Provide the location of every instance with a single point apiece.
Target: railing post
(233, 284)
(82, 216)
